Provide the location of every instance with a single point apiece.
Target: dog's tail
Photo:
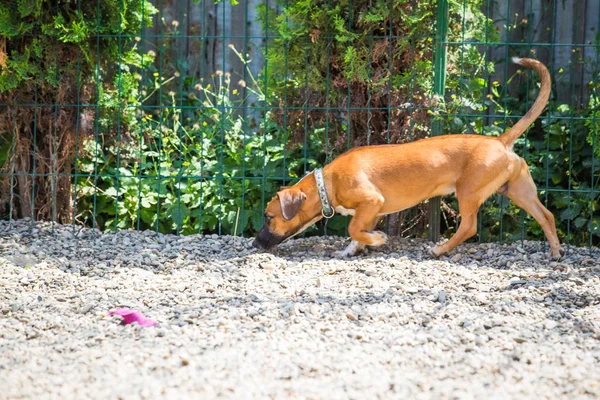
(509, 137)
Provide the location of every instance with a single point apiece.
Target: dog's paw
(378, 238)
(353, 248)
(346, 253)
(557, 255)
(436, 251)
(340, 254)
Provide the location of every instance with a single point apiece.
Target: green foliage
(189, 173)
(64, 53)
(332, 36)
(67, 30)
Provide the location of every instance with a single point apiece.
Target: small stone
(370, 271)
(351, 316)
(441, 297)
(86, 309)
(33, 334)
(457, 257)
(319, 249)
(550, 324)
(517, 282)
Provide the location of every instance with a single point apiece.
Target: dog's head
(290, 212)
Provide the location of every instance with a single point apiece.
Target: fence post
(439, 82)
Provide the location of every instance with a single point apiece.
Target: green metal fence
(186, 116)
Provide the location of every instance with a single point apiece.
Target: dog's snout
(266, 240)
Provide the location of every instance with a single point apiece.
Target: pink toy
(130, 316)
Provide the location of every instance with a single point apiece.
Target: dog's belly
(399, 202)
(348, 211)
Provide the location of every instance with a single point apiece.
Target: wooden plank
(577, 59)
(543, 21)
(592, 16)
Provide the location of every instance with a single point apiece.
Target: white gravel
(488, 321)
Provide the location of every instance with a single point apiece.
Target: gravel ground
(488, 321)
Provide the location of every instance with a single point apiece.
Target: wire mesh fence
(187, 116)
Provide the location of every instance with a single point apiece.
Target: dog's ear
(290, 201)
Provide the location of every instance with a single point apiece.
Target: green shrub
(190, 173)
(59, 56)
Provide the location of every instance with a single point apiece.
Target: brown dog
(370, 182)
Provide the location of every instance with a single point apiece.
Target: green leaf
(179, 212)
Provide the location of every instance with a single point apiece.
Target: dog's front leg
(361, 228)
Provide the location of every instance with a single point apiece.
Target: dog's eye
(268, 218)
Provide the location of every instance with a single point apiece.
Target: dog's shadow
(527, 261)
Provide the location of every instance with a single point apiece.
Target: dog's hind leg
(469, 201)
(466, 229)
(523, 193)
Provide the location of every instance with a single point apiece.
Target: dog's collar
(326, 208)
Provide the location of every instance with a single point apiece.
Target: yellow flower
(186, 164)
(495, 83)
(155, 74)
(235, 91)
(204, 123)
(208, 87)
(560, 71)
